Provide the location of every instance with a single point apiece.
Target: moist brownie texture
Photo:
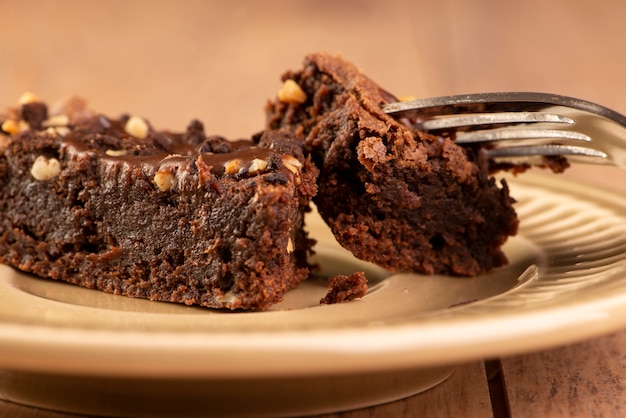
(113, 204)
(400, 198)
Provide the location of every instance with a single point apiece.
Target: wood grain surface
(583, 380)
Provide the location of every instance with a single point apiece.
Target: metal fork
(520, 125)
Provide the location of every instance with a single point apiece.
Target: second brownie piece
(400, 198)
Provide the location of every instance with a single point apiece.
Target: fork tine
(494, 102)
(543, 150)
(490, 113)
(502, 118)
(472, 137)
(470, 103)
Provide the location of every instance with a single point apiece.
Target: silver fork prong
(475, 103)
(603, 128)
(543, 150)
(494, 103)
(502, 118)
(493, 135)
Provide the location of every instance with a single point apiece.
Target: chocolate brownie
(392, 195)
(113, 204)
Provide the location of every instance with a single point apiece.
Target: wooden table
(220, 61)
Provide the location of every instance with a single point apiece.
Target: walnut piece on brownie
(115, 205)
(400, 198)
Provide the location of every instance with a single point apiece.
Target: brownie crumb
(345, 288)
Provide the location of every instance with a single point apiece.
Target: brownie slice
(400, 198)
(113, 204)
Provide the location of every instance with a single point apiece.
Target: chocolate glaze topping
(162, 149)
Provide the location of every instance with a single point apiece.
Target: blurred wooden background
(219, 61)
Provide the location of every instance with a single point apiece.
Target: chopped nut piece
(13, 127)
(44, 169)
(164, 180)
(56, 120)
(257, 165)
(292, 164)
(57, 130)
(232, 167)
(290, 246)
(62, 130)
(229, 297)
(26, 98)
(137, 127)
(291, 92)
(10, 126)
(115, 152)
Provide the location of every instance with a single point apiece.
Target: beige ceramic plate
(566, 282)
